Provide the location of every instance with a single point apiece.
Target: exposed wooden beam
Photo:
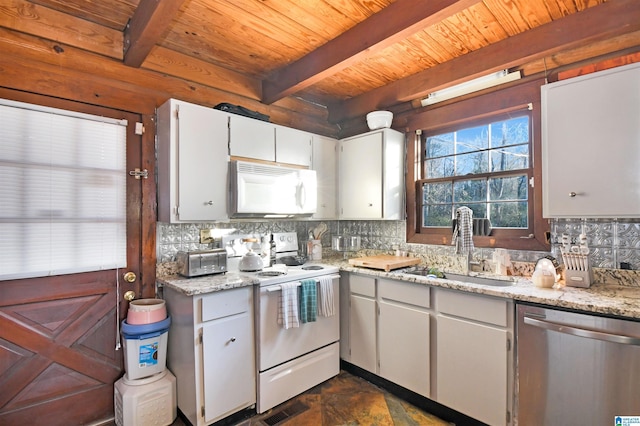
(34, 64)
(188, 68)
(393, 23)
(610, 19)
(148, 23)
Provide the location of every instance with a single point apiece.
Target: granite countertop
(603, 298)
(613, 293)
(206, 284)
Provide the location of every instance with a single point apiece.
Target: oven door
(277, 345)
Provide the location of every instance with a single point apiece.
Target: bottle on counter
(272, 251)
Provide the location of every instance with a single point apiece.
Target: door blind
(62, 191)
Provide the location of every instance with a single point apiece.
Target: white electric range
(291, 361)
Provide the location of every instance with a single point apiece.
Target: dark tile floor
(344, 400)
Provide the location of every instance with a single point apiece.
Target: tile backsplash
(612, 241)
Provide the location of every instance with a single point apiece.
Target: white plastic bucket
(145, 348)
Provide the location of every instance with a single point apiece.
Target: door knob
(129, 295)
(129, 277)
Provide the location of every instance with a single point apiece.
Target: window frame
(467, 112)
(528, 172)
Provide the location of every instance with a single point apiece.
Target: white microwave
(263, 190)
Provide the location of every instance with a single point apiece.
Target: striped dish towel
(288, 306)
(325, 297)
(308, 300)
(463, 234)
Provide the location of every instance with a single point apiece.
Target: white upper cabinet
(260, 140)
(192, 163)
(371, 176)
(325, 163)
(591, 145)
(293, 146)
(251, 138)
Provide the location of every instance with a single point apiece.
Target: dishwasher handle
(581, 332)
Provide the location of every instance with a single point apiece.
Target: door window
(63, 191)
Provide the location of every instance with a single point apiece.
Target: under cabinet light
(480, 83)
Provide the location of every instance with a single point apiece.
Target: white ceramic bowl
(379, 119)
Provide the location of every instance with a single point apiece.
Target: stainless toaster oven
(202, 262)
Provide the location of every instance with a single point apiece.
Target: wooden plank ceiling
(352, 56)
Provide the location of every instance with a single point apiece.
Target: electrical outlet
(205, 236)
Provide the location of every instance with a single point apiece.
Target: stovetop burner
(281, 273)
(270, 273)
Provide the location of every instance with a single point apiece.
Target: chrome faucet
(482, 265)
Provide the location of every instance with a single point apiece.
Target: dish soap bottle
(272, 251)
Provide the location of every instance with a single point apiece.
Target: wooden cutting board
(385, 262)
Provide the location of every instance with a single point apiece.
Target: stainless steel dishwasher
(576, 369)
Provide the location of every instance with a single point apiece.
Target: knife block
(575, 278)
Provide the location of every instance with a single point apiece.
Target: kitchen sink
(473, 279)
(499, 282)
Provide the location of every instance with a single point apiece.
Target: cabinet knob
(233, 339)
(572, 194)
(209, 203)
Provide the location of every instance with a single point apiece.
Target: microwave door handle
(302, 195)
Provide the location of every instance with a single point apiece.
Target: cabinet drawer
(473, 307)
(365, 286)
(224, 303)
(412, 294)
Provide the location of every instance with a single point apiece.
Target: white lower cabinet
(211, 352)
(388, 330)
(474, 357)
(403, 334)
(362, 322)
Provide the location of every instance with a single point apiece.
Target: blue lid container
(145, 331)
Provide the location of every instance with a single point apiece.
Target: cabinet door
(228, 365)
(403, 341)
(361, 177)
(362, 332)
(251, 138)
(324, 162)
(192, 163)
(293, 146)
(591, 145)
(472, 369)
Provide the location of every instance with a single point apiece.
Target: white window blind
(62, 191)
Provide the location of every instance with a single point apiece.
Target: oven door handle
(581, 332)
(277, 287)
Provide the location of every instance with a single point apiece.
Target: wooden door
(58, 335)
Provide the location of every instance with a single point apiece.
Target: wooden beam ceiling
(607, 20)
(392, 24)
(150, 20)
